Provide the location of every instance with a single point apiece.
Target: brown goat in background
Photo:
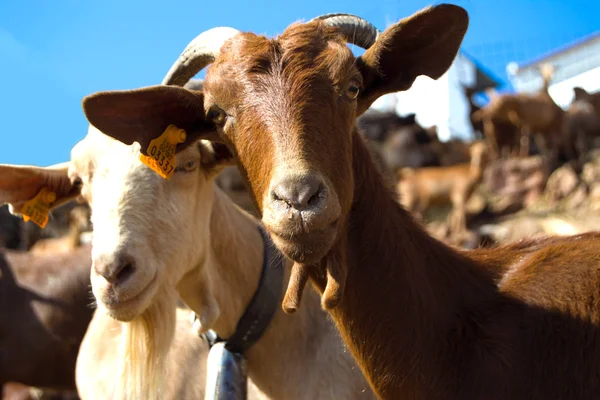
(582, 122)
(79, 222)
(533, 114)
(45, 308)
(476, 123)
(419, 189)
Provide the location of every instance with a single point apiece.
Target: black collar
(262, 306)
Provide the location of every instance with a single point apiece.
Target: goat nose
(299, 193)
(115, 269)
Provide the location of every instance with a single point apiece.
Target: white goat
(155, 239)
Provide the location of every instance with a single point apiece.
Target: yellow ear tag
(37, 209)
(161, 158)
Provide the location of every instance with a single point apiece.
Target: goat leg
(489, 132)
(293, 293)
(580, 146)
(524, 142)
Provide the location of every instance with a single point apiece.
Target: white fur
(187, 238)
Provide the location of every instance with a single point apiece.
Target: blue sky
(53, 53)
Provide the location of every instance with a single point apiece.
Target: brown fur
(10, 229)
(421, 188)
(45, 310)
(78, 223)
(415, 147)
(450, 152)
(17, 391)
(476, 123)
(533, 115)
(592, 98)
(582, 121)
(424, 320)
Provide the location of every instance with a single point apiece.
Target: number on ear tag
(161, 151)
(37, 209)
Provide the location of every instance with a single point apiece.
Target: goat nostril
(299, 193)
(117, 270)
(314, 199)
(125, 272)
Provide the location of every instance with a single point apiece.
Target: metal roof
(560, 50)
(484, 77)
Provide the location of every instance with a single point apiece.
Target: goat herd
(394, 313)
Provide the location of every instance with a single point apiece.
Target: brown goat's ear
(425, 43)
(20, 183)
(581, 94)
(142, 115)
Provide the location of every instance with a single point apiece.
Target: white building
(577, 64)
(442, 102)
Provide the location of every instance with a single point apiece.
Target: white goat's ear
(215, 156)
(21, 183)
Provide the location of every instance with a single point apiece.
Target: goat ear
(425, 43)
(142, 115)
(20, 183)
(215, 156)
(581, 94)
(410, 119)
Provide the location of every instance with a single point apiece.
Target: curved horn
(198, 54)
(357, 30)
(194, 84)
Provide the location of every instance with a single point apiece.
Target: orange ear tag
(37, 209)
(161, 158)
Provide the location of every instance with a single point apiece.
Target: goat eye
(352, 91)
(189, 166)
(217, 115)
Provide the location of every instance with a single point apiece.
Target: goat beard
(332, 270)
(144, 347)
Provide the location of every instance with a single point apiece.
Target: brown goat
(396, 141)
(450, 152)
(424, 187)
(409, 146)
(78, 223)
(424, 320)
(17, 391)
(44, 313)
(10, 229)
(531, 113)
(592, 98)
(582, 121)
(476, 123)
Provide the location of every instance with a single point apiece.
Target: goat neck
(427, 282)
(236, 260)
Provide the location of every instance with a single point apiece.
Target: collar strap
(259, 312)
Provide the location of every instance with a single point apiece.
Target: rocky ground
(520, 198)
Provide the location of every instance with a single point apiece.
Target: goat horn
(357, 30)
(198, 54)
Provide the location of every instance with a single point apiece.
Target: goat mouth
(126, 307)
(305, 247)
